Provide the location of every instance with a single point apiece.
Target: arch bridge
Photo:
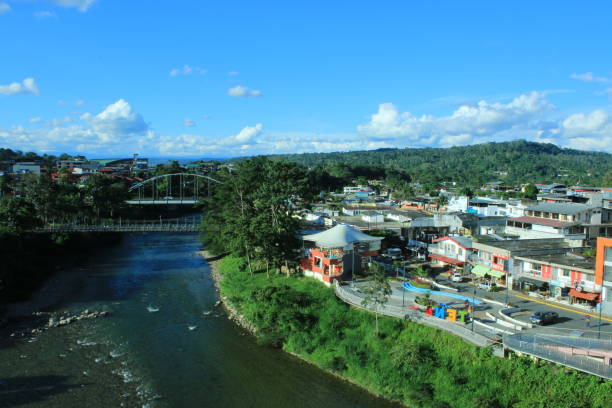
(172, 189)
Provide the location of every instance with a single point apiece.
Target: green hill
(513, 162)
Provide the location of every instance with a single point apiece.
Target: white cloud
(4, 8)
(187, 70)
(27, 86)
(467, 124)
(188, 123)
(81, 5)
(232, 73)
(111, 131)
(243, 92)
(45, 14)
(588, 77)
(117, 120)
(35, 119)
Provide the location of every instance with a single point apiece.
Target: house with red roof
(451, 250)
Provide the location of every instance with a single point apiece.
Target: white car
(456, 277)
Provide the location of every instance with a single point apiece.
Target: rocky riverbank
(232, 312)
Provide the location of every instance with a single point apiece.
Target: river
(185, 354)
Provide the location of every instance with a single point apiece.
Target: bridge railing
(587, 355)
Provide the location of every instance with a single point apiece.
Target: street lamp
(403, 281)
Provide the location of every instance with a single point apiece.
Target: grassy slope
(415, 364)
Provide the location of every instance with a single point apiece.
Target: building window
(565, 273)
(318, 262)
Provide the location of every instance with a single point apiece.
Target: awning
(483, 270)
(532, 281)
(446, 259)
(584, 295)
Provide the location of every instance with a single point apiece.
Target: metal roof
(563, 260)
(543, 221)
(561, 208)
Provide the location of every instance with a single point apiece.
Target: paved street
(570, 323)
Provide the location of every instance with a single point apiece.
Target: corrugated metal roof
(543, 221)
(561, 208)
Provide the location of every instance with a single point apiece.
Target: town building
(26, 167)
(555, 220)
(496, 259)
(454, 251)
(567, 278)
(338, 252)
(603, 273)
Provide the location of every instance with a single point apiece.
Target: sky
(239, 78)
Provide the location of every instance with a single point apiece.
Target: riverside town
(425, 221)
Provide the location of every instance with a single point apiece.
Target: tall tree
(251, 213)
(377, 290)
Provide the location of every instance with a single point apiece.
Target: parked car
(486, 285)
(394, 253)
(456, 277)
(543, 318)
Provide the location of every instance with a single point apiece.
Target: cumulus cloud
(465, 125)
(111, 131)
(244, 92)
(117, 120)
(27, 86)
(4, 8)
(188, 123)
(187, 70)
(588, 77)
(81, 5)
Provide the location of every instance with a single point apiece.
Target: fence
(415, 316)
(163, 225)
(588, 355)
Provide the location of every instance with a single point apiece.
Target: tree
(466, 191)
(17, 216)
(442, 200)
(377, 290)
(251, 213)
(530, 191)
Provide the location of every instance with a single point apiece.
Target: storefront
(532, 285)
(583, 298)
(494, 276)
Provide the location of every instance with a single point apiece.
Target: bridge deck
(123, 228)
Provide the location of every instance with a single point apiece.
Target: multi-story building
(339, 251)
(603, 273)
(497, 258)
(568, 277)
(554, 220)
(451, 250)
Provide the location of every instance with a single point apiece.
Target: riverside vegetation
(415, 364)
(250, 218)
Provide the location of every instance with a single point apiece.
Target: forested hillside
(513, 162)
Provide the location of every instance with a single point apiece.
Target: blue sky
(219, 79)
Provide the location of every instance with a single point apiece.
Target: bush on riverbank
(415, 364)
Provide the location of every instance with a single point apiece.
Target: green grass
(417, 365)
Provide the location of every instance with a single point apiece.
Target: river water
(164, 344)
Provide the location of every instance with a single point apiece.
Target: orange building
(339, 251)
(603, 273)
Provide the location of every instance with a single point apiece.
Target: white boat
(152, 309)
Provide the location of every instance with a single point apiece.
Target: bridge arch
(174, 188)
